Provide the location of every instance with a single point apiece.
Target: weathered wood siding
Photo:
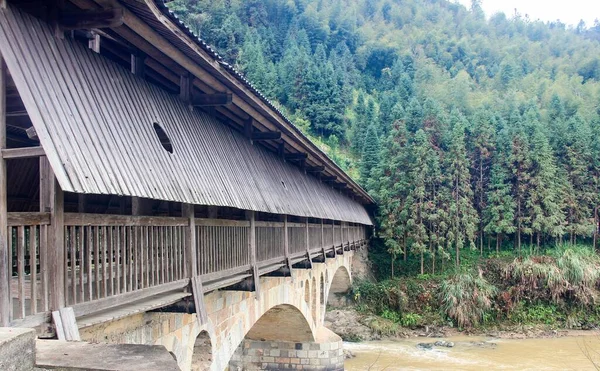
(95, 121)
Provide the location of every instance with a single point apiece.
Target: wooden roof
(95, 121)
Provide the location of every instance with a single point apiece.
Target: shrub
(410, 320)
(465, 297)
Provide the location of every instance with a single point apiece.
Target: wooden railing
(297, 238)
(221, 245)
(108, 257)
(27, 235)
(269, 241)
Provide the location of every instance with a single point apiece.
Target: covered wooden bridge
(139, 167)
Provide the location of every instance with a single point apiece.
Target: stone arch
(202, 353)
(340, 285)
(283, 322)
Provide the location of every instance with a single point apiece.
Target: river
(477, 353)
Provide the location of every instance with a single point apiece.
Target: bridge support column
(326, 353)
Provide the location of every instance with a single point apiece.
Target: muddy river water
(478, 353)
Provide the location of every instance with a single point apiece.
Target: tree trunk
(422, 271)
(405, 246)
(480, 205)
(393, 259)
(498, 240)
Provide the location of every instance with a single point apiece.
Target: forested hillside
(469, 132)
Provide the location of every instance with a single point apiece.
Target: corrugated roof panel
(95, 121)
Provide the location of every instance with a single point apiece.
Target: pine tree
(543, 202)
(418, 196)
(370, 157)
(499, 213)
(391, 191)
(482, 141)
(463, 214)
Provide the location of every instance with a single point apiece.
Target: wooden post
(323, 240)
(52, 201)
(252, 250)
(307, 244)
(191, 266)
(4, 263)
(286, 244)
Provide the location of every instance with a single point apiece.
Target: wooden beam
(315, 169)
(138, 64)
(211, 100)
(266, 135)
(295, 156)
(325, 178)
(31, 133)
(198, 292)
(25, 152)
(90, 18)
(94, 43)
(185, 88)
(281, 149)
(4, 248)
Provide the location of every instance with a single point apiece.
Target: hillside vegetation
(469, 132)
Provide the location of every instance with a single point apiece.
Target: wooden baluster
(33, 252)
(21, 269)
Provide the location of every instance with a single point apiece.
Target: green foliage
(411, 320)
(466, 297)
(547, 314)
(468, 131)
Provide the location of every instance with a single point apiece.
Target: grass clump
(569, 278)
(466, 297)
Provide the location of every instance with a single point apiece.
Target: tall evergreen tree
(499, 213)
(463, 214)
(543, 202)
(370, 156)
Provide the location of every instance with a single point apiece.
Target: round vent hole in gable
(163, 138)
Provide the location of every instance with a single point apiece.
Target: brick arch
(233, 313)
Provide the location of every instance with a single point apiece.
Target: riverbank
(554, 294)
(354, 326)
